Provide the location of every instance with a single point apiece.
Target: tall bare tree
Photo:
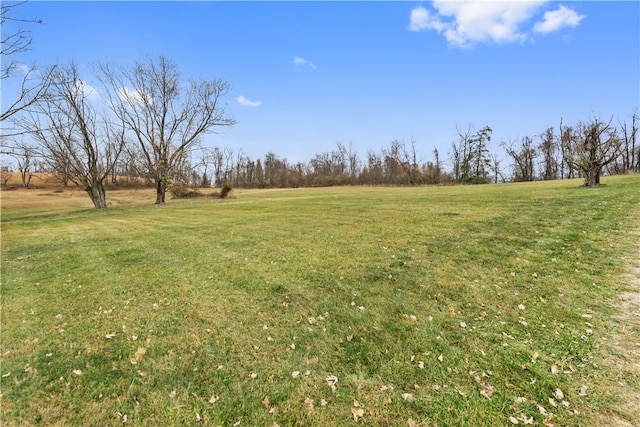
(548, 148)
(71, 131)
(630, 161)
(165, 115)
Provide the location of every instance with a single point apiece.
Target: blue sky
(307, 75)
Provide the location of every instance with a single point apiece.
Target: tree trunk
(592, 177)
(161, 190)
(97, 193)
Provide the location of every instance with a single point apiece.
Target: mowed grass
(431, 306)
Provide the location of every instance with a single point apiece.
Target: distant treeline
(571, 152)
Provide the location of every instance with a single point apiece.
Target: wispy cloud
(87, 90)
(133, 97)
(465, 23)
(558, 19)
(247, 103)
(303, 62)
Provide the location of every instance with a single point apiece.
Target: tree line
(144, 123)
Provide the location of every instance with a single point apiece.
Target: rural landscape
(152, 275)
(436, 305)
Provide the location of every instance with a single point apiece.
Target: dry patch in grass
(624, 344)
(71, 197)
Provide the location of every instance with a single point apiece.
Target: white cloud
(133, 97)
(23, 69)
(247, 103)
(303, 62)
(87, 90)
(467, 22)
(558, 19)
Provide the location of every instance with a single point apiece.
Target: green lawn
(447, 306)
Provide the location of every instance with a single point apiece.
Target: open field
(490, 305)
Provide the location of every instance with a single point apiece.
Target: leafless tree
(33, 82)
(25, 155)
(630, 159)
(548, 148)
(523, 157)
(595, 145)
(165, 115)
(70, 131)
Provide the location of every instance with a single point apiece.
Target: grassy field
(433, 306)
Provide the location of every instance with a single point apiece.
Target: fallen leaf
(77, 371)
(172, 394)
(408, 397)
(109, 336)
(213, 399)
(357, 413)
(583, 390)
(514, 420)
(295, 374)
(413, 318)
(526, 420)
(549, 421)
(485, 389)
(441, 358)
(265, 402)
(332, 380)
(309, 402)
(558, 394)
(141, 351)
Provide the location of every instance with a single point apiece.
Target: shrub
(226, 189)
(179, 190)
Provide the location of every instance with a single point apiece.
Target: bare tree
(548, 148)
(33, 83)
(71, 132)
(456, 161)
(523, 159)
(595, 145)
(630, 150)
(410, 162)
(165, 116)
(25, 156)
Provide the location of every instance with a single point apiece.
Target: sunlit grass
(434, 305)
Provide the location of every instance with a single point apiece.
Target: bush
(179, 190)
(226, 189)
